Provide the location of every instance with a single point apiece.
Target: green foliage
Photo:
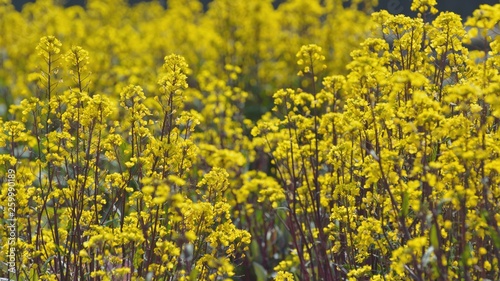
(376, 158)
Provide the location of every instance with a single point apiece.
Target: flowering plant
(261, 148)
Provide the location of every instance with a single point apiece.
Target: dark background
(461, 7)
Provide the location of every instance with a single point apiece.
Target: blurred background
(461, 7)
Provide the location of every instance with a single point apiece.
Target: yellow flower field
(312, 141)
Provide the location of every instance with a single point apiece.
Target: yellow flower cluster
(388, 171)
(147, 144)
(115, 199)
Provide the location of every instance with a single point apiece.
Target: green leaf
(434, 153)
(466, 255)
(254, 249)
(406, 204)
(434, 237)
(260, 271)
(194, 275)
(494, 236)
